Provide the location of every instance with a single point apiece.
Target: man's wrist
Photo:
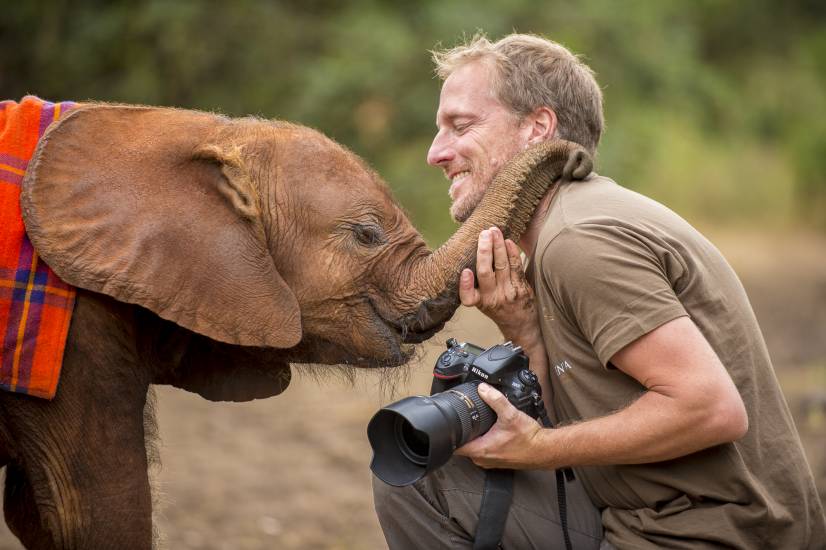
(548, 449)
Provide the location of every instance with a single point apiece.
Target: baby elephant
(209, 253)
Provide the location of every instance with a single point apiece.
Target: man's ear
(542, 124)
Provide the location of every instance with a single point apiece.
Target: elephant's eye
(368, 235)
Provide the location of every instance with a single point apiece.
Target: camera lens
(416, 435)
(412, 443)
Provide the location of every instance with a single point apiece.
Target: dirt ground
(293, 471)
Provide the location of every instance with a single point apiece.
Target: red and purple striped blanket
(35, 306)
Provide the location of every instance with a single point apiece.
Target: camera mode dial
(528, 377)
(453, 365)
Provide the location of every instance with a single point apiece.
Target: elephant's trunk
(509, 204)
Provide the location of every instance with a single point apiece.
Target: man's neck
(528, 240)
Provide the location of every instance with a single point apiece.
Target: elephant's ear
(149, 206)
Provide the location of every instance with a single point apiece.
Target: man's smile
(456, 180)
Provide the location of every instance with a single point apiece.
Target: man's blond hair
(529, 72)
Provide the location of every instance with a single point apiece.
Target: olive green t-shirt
(612, 265)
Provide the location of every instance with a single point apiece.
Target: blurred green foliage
(715, 107)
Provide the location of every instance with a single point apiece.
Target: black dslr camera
(412, 437)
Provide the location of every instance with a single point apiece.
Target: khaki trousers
(441, 510)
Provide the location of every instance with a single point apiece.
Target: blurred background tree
(716, 107)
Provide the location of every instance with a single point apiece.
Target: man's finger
(514, 256)
(498, 402)
(514, 267)
(500, 256)
(468, 295)
(515, 263)
(484, 264)
(470, 449)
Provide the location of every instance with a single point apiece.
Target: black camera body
(503, 366)
(414, 436)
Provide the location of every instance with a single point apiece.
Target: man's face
(476, 135)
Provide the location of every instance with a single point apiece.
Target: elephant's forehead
(311, 164)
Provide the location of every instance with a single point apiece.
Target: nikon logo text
(479, 372)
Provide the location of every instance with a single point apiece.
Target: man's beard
(461, 211)
(480, 177)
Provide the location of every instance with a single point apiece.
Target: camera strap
(562, 502)
(493, 513)
(496, 502)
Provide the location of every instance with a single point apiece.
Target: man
(651, 359)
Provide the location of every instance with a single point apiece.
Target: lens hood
(410, 438)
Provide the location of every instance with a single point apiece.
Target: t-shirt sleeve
(610, 284)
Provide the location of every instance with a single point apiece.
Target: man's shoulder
(599, 199)
(593, 222)
(578, 204)
(598, 203)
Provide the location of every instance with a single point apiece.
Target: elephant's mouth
(413, 328)
(408, 335)
(426, 320)
(381, 343)
(326, 352)
(373, 342)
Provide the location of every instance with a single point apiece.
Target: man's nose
(439, 152)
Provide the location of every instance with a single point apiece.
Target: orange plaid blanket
(35, 306)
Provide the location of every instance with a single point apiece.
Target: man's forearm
(652, 429)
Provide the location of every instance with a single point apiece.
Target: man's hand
(510, 443)
(504, 294)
